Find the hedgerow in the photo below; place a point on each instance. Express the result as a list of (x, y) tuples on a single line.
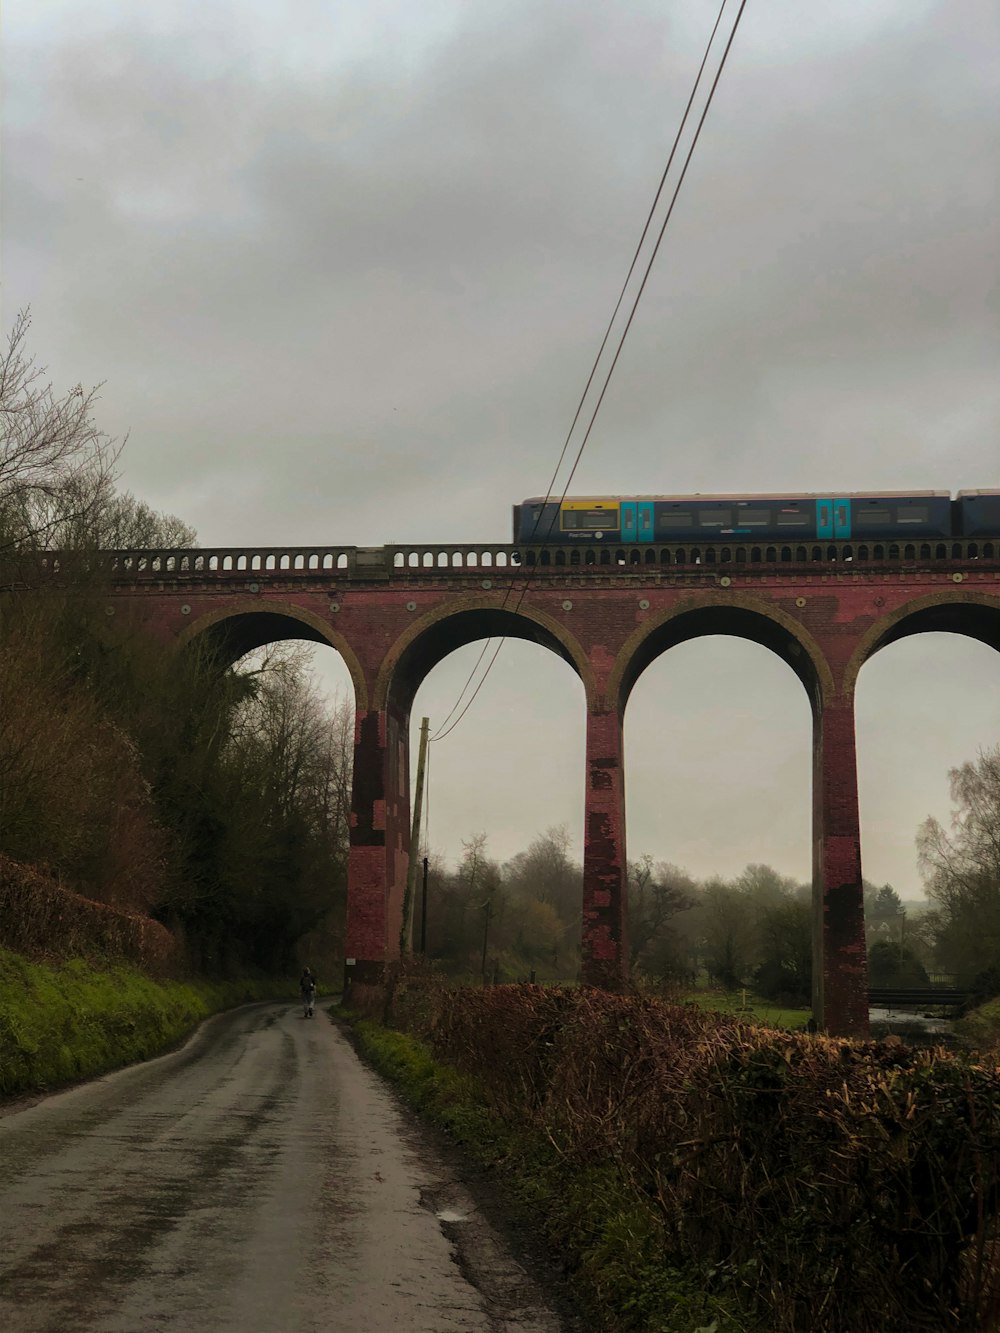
[(827, 1185), (40, 917)]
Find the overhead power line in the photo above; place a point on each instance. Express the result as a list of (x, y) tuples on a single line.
[(635, 259), (445, 730)]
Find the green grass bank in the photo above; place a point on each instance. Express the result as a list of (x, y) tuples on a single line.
[(74, 1019)]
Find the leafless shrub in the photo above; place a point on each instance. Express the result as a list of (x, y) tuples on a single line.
[(39, 918), (838, 1185)]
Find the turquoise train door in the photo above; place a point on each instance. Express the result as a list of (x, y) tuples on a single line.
[(833, 518), (637, 520)]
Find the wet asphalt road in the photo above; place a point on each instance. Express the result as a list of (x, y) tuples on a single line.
[(260, 1180)]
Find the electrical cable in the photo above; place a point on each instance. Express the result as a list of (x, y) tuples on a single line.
[(628, 276), (652, 258), (446, 730), (468, 682), (442, 732)]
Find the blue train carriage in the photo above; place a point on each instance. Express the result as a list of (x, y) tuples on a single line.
[(700, 518), (978, 513)]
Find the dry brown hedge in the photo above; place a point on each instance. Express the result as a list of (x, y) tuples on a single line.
[(41, 919), (840, 1185)]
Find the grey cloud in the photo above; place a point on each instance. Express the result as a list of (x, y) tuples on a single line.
[(346, 285)]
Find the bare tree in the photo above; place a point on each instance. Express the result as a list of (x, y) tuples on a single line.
[(56, 465), (656, 895), (121, 522), (961, 868)]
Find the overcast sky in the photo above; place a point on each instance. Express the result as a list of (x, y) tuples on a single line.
[(344, 267)]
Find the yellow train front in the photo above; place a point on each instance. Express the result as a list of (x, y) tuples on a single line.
[(688, 518)]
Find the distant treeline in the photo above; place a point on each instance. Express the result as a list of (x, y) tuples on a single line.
[(521, 917)]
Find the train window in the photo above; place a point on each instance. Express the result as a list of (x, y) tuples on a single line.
[(592, 520), (913, 514), (792, 518), (870, 518), (753, 518), (714, 518), (646, 518), (677, 518)]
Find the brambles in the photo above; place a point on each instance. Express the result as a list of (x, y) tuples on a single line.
[(828, 1185)]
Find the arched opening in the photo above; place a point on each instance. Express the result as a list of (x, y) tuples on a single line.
[(229, 636), (285, 736), (510, 770), (718, 743), (927, 701)]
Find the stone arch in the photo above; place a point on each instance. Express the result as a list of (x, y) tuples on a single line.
[(427, 642), (247, 623), (953, 610), (735, 614)]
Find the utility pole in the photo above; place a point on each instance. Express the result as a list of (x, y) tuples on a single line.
[(423, 912), (411, 873), (486, 934)]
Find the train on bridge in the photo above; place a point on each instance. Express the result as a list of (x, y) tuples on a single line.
[(685, 518)]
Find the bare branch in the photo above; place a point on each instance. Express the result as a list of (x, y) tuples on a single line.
[(57, 467)]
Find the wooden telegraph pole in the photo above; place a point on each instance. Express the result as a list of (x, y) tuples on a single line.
[(405, 931), (423, 912)]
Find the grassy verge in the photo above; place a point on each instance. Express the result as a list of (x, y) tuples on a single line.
[(65, 1021), (743, 1004), (981, 1027), (609, 1240)]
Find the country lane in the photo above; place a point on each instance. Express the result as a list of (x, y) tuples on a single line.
[(259, 1180)]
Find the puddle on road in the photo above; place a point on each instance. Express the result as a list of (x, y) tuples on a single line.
[(450, 1215)]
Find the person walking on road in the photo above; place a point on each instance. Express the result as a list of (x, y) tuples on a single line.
[(307, 986)]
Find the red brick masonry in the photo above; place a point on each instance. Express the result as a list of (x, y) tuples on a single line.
[(393, 615)]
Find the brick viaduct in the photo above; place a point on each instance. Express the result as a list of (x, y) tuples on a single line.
[(394, 612)]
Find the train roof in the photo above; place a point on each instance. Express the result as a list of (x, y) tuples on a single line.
[(963, 493), (800, 495)]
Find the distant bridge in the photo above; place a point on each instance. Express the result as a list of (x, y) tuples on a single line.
[(394, 612), (918, 997)]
